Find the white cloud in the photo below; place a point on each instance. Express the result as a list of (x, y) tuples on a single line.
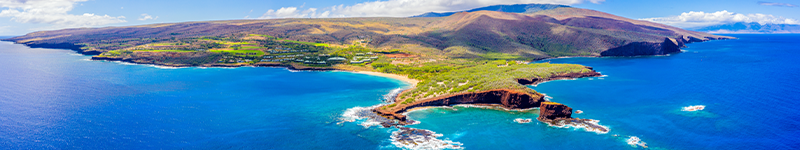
[(147, 17), (401, 8), (53, 12), (4, 29), (776, 4), (698, 19)]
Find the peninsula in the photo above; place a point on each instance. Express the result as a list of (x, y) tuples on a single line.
[(473, 57)]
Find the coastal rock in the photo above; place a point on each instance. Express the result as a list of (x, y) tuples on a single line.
[(535, 81), (550, 111), (70, 46), (505, 98), (668, 46)]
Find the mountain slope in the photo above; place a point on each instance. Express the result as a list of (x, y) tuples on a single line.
[(563, 31), (517, 8)]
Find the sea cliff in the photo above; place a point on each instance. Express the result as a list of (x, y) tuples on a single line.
[(506, 98)]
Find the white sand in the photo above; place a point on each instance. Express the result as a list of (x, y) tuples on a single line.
[(393, 76)]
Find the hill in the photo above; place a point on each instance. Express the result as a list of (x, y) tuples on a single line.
[(517, 8), (752, 27), (563, 31)]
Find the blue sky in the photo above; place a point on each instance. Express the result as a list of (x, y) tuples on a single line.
[(18, 17)]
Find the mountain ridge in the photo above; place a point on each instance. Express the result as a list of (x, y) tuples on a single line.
[(516, 8), (562, 31)]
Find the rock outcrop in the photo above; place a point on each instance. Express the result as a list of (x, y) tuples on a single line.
[(668, 46), (534, 81), (506, 98), (550, 111)]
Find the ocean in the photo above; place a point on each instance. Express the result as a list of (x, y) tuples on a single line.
[(57, 99)]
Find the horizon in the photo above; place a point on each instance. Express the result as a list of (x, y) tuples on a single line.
[(23, 17)]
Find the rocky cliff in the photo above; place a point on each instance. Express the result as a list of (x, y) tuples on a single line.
[(668, 46), (506, 98), (549, 111)]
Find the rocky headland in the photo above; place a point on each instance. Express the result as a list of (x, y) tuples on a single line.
[(505, 98)]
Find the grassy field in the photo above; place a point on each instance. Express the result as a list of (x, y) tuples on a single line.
[(163, 44), (239, 52), (500, 74), (501, 56), (252, 47), (292, 41), (309, 43), (165, 51)]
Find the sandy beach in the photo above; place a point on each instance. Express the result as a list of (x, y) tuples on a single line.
[(393, 76)]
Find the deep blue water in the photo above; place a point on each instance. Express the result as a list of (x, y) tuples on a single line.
[(56, 99)]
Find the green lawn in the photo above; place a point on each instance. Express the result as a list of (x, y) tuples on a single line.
[(163, 44), (492, 75), (308, 43), (239, 52), (251, 47), (500, 56), (293, 41), (165, 50)]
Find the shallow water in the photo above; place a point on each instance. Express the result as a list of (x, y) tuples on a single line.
[(53, 99)]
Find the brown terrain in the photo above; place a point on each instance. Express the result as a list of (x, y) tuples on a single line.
[(558, 32)]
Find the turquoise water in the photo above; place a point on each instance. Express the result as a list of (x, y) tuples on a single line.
[(56, 99)]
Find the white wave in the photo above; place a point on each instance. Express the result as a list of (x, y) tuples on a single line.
[(149, 65), (635, 142), (523, 120), (693, 108), (165, 67), (389, 97), (589, 125), (417, 139), (547, 98), (363, 116)]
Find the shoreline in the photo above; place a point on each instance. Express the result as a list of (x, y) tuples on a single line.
[(412, 82)]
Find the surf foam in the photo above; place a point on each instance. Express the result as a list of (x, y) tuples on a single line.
[(693, 108), (415, 139), (636, 142), (589, 125)]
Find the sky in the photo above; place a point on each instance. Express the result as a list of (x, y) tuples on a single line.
[(19, 17)]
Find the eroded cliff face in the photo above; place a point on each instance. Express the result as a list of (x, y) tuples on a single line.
[(504, 97), (668, 46), (550, 111), (507, 98)]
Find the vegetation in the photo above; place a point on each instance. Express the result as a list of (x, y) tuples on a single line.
[(440, 79)]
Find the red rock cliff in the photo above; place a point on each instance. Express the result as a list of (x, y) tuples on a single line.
[(549, 111), (507, 98)]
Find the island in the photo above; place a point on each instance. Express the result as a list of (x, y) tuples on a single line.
[(478, 57)]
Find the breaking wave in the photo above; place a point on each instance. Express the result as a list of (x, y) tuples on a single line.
[(589, 125), (364, 115), (410, 138), (636, 142)]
